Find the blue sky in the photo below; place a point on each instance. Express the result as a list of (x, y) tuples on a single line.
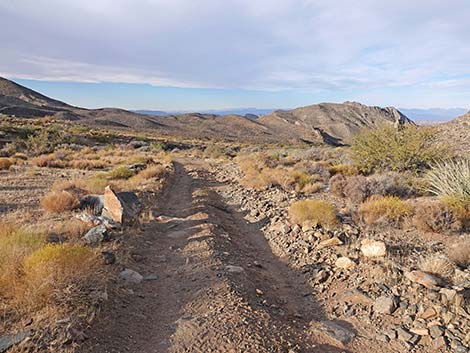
[(212, 54)]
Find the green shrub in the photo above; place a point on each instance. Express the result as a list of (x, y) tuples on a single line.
[(388, 209), (120, 173), (410, 148)]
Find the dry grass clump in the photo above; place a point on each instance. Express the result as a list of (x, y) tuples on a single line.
[(387, 209), (64, 185), (150, 172), (15, 244), (317, 212), (459, 253), (5, 163), (439, 266), (435, 216), (59, 201), (409, 148), (86, 164), (97, 183), (344, 169), (52, 269), (48, 160)]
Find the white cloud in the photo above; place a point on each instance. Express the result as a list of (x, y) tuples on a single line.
[(266, 44)]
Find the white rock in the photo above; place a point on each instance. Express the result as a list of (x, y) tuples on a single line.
[(345, 263), (234, 269), (373, 248)]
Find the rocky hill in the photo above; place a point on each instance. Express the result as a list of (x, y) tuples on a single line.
[(334, 124), (457, 130)]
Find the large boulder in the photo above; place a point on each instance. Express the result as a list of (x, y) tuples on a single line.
[(93, 204), (122, 207)]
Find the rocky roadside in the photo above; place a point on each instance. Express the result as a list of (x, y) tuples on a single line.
[(363, 277)]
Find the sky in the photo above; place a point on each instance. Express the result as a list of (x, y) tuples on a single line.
[(217, 54)]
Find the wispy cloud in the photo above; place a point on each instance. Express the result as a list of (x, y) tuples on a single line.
[(339, 45)]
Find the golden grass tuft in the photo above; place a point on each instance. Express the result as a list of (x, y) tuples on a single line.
[(59, 201), (387, 209), (121, 172), (317, 212), (5, 163), (52, 269), (15, 244)]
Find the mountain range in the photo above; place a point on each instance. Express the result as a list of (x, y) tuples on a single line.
[(326, 122)]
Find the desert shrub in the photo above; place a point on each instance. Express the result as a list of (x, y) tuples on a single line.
[(439, 266), (5, 163), (459, 253), (337, 185), (121, 172), (317, 212), (357, 188), (64, 185), (59, 201), (450, 179), (409, 148), (214, 151), (435, 216), (312, 188), (344, 169), (298, 179), (387, 209), (51, 269), (48, 160), (44, 141)]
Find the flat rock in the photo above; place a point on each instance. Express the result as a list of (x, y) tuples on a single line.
[(234, 269), (337, 332), (9, 341), (355, 296), (131, 276), (425, 279), (385, 305), (373, 248), (335, 241)]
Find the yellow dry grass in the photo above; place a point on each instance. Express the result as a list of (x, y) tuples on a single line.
[(317, 212)]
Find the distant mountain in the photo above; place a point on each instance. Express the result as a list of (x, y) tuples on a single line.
[(333, 123), (235, 111), (433, 115), (320, 123)]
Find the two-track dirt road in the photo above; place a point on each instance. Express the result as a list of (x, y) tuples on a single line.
[(216, 286)]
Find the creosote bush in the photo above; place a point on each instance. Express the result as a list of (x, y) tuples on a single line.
[(385, 210), (409, 148), (59, 201), (317, 212)]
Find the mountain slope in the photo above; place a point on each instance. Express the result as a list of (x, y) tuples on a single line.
[(335, 122), (457, 133)]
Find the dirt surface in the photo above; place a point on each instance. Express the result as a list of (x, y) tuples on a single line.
[(194, 297)]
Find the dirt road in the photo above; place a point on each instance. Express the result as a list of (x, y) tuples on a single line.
[(213, 283)]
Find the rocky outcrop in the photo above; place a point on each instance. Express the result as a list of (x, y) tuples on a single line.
[(123, 207)]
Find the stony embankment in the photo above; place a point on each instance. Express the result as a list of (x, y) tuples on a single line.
[(365, 277)]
